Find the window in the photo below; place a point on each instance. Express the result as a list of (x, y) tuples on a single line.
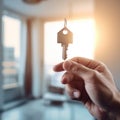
[(11, 51), (83, 43)]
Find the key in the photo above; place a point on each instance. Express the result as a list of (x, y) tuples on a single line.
[(65, 37)]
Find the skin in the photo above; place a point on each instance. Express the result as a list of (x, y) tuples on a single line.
[(91, 82)]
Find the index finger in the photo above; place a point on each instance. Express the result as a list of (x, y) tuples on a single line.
[(58, 67), (92, 64)]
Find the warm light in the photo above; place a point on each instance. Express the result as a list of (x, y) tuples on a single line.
[(12, 33), (83, 40)]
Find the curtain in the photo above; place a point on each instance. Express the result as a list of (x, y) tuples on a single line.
[(28, 65)]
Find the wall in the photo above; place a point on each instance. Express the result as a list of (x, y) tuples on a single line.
[(38, 57), (107, 14)]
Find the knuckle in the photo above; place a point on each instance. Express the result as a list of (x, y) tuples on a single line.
[(75, 69), (68, 75), (101, 67)]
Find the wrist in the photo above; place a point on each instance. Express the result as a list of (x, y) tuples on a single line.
[(113, 112), (108, 116), (115, 107)]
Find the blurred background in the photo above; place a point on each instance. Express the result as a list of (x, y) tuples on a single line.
[(29, 88)]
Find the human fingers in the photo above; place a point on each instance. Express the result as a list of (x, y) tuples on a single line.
[(92, 64), (78, 69), (58, 67), (95, 67), (69, 78), (72, 92), (77, 94), (70, 65)]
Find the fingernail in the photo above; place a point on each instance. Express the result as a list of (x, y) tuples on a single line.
[(67, 64), (76, 94), (64, 80)]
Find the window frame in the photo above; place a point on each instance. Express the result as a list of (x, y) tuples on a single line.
[(20, 86), (11, 86)]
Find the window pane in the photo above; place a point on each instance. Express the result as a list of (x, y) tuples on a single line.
[(11, 55)]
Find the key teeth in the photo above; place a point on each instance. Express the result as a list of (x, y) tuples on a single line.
[(64, 57), (64, 52)]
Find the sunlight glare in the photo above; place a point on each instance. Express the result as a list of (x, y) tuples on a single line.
[(11, 33), (83, 40)]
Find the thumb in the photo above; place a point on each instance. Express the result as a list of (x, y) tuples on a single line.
[(78, 69)]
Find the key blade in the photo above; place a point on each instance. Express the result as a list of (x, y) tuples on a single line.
[(64, 51)]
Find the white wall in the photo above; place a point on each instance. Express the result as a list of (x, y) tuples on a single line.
[(38, 68), (107, 14)]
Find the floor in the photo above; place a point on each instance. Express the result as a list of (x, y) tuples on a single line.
[(37, 110)]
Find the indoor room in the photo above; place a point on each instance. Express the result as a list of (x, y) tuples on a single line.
[(35, 35)]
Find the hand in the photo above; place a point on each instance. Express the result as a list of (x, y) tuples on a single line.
[(91, 83)]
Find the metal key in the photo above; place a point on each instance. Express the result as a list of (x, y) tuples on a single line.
[(65, 37)]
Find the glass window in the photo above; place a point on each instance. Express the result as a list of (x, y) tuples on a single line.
[(83, 43), (11, 55)]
